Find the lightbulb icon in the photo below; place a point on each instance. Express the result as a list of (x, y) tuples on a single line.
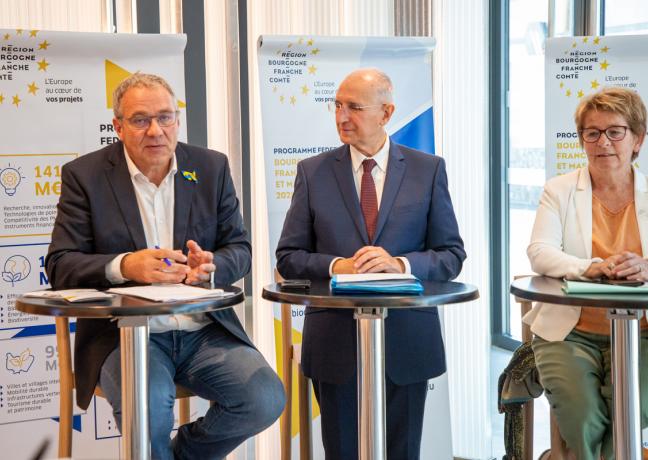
[(10, 179)]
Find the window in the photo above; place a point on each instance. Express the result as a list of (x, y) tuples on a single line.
[(526, 154), (518, 155), (626, 17)]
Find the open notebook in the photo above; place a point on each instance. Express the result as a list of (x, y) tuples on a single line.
[(71, 295)]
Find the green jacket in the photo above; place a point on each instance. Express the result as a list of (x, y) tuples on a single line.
[(518, 384)]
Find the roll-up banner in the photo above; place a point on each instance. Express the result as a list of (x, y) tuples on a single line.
[(298, 78), (55, 105), (576, 67)]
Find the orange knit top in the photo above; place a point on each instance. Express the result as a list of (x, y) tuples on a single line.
[(612, 233)]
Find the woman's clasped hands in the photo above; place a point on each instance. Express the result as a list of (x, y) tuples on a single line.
[(626, 265)]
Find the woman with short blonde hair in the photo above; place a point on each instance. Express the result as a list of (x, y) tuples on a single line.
[(591, 223)]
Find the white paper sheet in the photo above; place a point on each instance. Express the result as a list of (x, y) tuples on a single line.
[(170, 292), (361, 277)]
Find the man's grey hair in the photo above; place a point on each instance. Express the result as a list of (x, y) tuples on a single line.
[(138, 80), (381, 81), (385, 86)]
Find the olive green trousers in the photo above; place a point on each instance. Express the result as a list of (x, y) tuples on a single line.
[(575, 374)]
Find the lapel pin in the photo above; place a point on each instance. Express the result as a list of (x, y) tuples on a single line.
[(190, 176)]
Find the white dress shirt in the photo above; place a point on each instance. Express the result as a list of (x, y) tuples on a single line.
[(156, 205), (378, 173)]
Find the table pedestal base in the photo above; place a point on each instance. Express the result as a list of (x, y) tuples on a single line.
[(372, 440), (625, 383), (136, 443)]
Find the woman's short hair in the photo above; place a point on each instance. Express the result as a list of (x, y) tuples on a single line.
[(620, 101)]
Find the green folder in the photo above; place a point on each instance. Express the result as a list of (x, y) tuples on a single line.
[(581, 287)]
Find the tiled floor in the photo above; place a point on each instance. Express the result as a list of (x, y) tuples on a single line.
[(499, 360)]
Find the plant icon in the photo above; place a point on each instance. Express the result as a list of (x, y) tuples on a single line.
[(16, 268)]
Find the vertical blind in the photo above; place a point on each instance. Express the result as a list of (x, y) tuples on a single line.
[(461, 104)]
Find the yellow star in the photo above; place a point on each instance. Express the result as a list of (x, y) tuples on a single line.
[(289, 45), (585, 39), (274, 89), (19, 31), (312, 69), (597, 40), (574, 45), (580, 93), (281, 99), (310, 42), (562, 84), (33, 33), (43, 45), (604, 65), (568, 93), (42, 65), (1, 98), (605, 49), (305, 89), (315, 51), (293, 99), (595, 84), (7, 36), (16, 100), (300, 41), (32, 88)]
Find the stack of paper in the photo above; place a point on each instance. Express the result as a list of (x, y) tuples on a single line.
[(71, 295), (376, 283), (581, 287), (170, 292)]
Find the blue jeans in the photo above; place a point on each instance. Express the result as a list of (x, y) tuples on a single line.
[(246, 394)]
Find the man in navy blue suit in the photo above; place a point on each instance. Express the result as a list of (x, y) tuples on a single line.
[(371, 206)]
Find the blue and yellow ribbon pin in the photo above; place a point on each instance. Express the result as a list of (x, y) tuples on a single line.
[(190, 176)]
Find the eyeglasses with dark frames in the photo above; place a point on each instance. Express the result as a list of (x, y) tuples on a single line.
[(613, 133), (164, 120)]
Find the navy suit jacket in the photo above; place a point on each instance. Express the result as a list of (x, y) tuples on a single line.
[(98, 219), (415, 220)]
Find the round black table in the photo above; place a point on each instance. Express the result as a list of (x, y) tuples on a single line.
[(132, 315), (624, 313), (370, 313)]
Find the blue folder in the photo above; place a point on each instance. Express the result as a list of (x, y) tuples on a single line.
[(403, 286)]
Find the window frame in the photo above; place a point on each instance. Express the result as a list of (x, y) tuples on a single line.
[(499, 189)]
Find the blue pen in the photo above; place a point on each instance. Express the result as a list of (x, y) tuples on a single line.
[(165, 260)]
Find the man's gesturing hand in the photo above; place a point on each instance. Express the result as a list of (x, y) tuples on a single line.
[(148, 266), (201, 264)]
